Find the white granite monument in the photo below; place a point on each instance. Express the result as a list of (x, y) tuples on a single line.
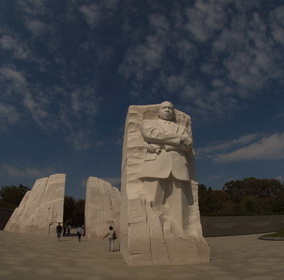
[(160, 220), (101, 207), (41, 208)]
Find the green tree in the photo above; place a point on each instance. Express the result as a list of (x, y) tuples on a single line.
[(256, 196), (278, 205), (234, 189), (214, 202), (11, 196), (79, 213), (249, 205), (251, 186), (269, 188), (69, 208), (74, 211), (202, 198)]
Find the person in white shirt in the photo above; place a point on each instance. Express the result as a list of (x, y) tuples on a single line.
[(111, 237), (79, 232)]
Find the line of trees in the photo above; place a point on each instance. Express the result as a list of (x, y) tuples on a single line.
[(74, 211), (11, 196), (249, 196)]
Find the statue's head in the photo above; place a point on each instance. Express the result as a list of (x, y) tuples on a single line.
[(166, 111)]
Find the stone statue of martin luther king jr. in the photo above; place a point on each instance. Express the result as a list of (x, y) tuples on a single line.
[(165, 172)]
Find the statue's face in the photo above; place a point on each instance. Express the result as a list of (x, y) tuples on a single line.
[(166, 111)]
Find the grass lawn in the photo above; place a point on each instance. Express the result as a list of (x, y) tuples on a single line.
[(279, 233)]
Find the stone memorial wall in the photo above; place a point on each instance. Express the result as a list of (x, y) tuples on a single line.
[(101, 207), (41, 208)]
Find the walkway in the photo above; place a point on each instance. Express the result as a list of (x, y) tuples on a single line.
[(24, 257)]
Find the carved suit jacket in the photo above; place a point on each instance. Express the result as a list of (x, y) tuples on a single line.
[(165, 153)]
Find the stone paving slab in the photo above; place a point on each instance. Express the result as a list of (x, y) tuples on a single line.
[(26, 257)]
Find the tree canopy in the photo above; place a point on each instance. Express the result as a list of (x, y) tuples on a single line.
[(11, 196), (74, 211), (250, 196)]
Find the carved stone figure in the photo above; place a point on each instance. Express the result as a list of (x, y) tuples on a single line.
[(101, 207), (41, 208), (160, 221)]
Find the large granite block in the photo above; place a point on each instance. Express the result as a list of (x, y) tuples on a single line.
[(101, 207), (41, 208), (159, 216)]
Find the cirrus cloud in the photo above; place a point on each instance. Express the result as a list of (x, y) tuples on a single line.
[(25, 172), (267, 148)]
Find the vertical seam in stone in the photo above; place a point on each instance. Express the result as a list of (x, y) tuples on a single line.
[(150, 238), (166, 245), (100, 189)]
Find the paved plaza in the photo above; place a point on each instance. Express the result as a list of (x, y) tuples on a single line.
[(26, 257)]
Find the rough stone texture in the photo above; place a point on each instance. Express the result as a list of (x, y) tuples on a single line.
[(101, 207), (41, 208), (145, 239)]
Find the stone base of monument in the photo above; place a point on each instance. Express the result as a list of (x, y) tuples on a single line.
[(147, 241), (173, 251)]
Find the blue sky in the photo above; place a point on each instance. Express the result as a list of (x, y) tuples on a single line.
[(69, 69)]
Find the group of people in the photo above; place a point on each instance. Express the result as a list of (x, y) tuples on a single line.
[(111, 235), (59, 230)]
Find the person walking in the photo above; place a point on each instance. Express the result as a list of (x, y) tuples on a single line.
[(79, 232), (111, 237), (59, 231), (68, 229)]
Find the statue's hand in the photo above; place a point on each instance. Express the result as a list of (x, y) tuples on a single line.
[(153, 148)]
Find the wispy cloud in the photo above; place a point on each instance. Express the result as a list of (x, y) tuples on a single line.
[(242, 57), (212, 149), (13, 75), (10, 43), (205, 18), (34, 13), (33, 6), (17, 88), (36, 26), (8, 115), (267, 148), (81, 139), (75, 117), (277, 19), (93, 13), (143, 58), (209, 55), (25, 172)]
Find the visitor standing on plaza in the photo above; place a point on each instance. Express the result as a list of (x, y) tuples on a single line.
[(79, 232), (111, 237), (58, 231)]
